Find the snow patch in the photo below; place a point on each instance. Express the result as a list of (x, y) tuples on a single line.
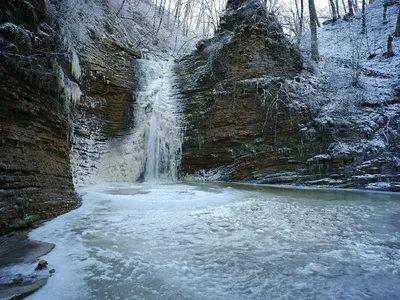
[(378, 185)]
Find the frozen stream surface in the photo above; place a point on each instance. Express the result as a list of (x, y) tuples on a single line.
[(220, 241)]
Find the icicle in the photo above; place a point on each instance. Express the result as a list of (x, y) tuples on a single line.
[(76, 67), (71, 90)]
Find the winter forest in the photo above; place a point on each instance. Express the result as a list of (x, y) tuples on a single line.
[(199, 149)]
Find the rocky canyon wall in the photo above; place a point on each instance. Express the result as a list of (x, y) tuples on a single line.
[(105, 113), (251, 110), (35, 176), (65, 97)]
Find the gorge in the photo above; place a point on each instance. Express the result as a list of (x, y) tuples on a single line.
[(253, 109), (169, 152)]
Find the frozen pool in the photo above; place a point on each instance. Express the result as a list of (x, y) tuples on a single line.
[(220, 241)]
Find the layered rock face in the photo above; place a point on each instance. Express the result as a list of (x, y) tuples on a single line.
[(233, 88), (106, 110), (253, 114), (35, 176), (246, 107)]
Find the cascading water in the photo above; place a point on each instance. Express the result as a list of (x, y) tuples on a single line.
[(153, 149), (158, 103)]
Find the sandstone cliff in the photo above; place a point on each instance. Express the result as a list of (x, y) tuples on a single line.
[(35, 176), (253, 113), (106, 110)]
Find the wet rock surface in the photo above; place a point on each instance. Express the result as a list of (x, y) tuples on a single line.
[(106, 111), (41, 265), (20, 290), (17, 249), (237, 112)]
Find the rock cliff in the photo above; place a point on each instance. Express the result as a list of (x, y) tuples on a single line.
[(35, 175), (106, 111), (252, 111)]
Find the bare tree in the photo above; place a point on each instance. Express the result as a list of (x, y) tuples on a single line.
[(351, 10), (299, 20), (313, 27), (385, 6), (389, 52), (333, 10), (397, 31), (344, 7), (363, 25), (337, 9)]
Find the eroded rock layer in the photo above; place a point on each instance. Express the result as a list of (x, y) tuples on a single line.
[(105, 113), (237, 113), (35, 176), (253, 114)]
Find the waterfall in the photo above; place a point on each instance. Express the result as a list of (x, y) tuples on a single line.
[(152, 150), (157, 105)]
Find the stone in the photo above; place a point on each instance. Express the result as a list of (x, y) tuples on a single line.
[(18, 280), (106, 111), (17, 35), (19, 249), (52, 271), (41, 265), (22, 290), (249, 120), (229, 87), (28, 13)]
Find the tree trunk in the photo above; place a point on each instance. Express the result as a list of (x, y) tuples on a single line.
[(397, 31), (313, 26), (363, 25), (389, 52), (344, 7), (384, 13), (333, 8), (337, 9), (317, 20), (351, 11), (300, 17)]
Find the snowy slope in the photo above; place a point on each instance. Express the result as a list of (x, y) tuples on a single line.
[(362, 108), (342, 44), (135, 24)]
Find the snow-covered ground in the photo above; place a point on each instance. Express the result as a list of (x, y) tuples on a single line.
[(133, 24), (347, 53), (361, 88)]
